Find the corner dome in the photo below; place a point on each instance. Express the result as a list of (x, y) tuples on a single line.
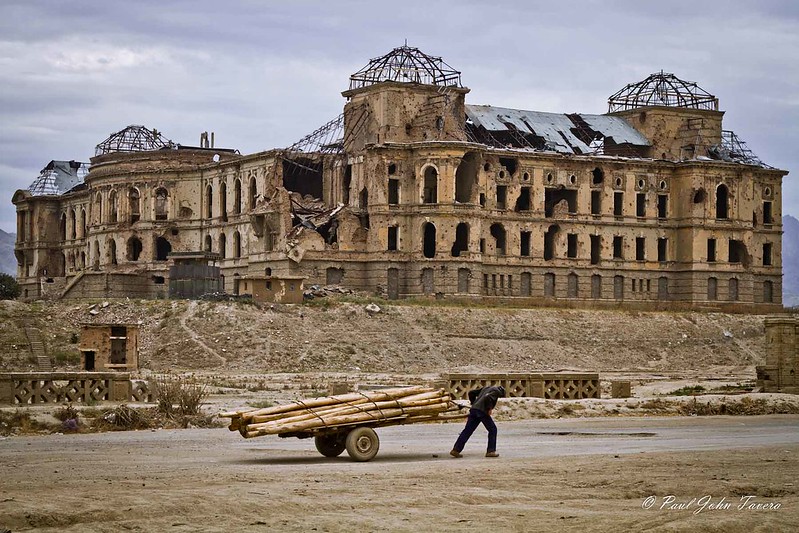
[(662, 89), (409, 65)]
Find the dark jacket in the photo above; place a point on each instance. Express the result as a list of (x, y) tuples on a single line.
[(487, 399)]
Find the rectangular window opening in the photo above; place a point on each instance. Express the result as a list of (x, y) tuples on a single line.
[(571, 249), (663, 246), (767, 247), (640, 204), (502, 196), (640, 249), (596, 202), (524, 239), (711, 250), (618, 247), (618, 203), (596, 249), (393, 191), (663, 205), (393, 238)]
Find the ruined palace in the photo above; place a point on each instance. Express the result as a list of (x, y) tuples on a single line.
[(411, 191)]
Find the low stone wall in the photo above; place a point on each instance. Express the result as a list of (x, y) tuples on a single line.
[(79, 387), (552, 386)]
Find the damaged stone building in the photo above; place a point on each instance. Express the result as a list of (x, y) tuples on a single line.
[(411, 191)]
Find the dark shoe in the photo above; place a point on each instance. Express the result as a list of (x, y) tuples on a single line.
[(492, 454), (456, 454)]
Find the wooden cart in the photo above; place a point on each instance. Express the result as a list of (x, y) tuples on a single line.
[(348, 422)]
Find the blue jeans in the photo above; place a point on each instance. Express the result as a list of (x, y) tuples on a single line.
[(476, 417)]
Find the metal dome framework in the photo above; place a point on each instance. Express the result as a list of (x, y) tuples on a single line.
[(662, 89), (406, 64), (133, 139)]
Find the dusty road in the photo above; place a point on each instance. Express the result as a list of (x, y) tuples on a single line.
[(578, 474)]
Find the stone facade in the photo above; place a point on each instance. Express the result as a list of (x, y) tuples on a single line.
[(105, 347), (779, 374), (410, 199)]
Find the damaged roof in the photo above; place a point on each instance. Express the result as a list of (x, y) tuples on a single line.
[(59, 177), (555, 131)]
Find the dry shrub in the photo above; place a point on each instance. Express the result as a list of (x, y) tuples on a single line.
[(178, 396), (744, 406), (68, 412), (20, 422), (125, 418)]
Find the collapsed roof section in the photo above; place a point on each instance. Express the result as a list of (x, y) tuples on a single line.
[(59, 177), (406, 64), (662, 89), (569, 134), (735, 150), (133, 139)]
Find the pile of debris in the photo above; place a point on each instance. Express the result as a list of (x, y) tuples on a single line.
[(317, 291)]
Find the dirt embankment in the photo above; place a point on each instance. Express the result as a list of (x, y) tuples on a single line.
[(344, 337)]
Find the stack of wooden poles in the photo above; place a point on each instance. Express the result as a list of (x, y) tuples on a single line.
[(382, 407)]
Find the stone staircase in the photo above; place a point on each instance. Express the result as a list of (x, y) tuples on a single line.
[(37, 347)]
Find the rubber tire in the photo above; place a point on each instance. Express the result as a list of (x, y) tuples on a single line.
[(362, 444), (330, 445)]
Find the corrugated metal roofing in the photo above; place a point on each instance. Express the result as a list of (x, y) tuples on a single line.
[(59, 177), (554, 128)]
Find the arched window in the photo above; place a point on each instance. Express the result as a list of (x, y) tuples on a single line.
[(208, 244), (222, 245), (430, 192), (113, 210), (223, 201), (161, 206), (209, 202), (62, 227), (98, 217), (82, 260), (429, 245), (73, 232), (712, 289), (134, 249), (112, 251), (461, 243), (237, 197), (253, 192), (83, 223), (162, 249), (134, 205), (236, 244), (466, 178), (498, 232), (722, 202), (96, 255)]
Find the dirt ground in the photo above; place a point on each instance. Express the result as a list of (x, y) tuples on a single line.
[(607, 475)]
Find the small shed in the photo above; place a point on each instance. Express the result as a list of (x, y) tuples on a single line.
[(106, 347), (277, 289)]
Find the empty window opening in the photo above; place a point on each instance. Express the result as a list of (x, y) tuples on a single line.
[(510, 164), (640, 249), (663, 205), (618, 287), (461, 243), (223, 201), (253, 193), (482, 199), (393, 191), (392, 169), (767, 247), (134, 249), (711, 250), (430, 192), (618, 247), (663, 249), (346, 185), (158, 280), (524, 240), (88, 361), (571, 245), (596, 249), (334, 276), (393, 238), (134, 205), (96, 255), (549, 242), (363, 202), (597, 176), (62, 227), (222, 246), (112, 251), (596, 202), (699, 196), (549, 284), (712, 289), (768, 292), (208, 244), (161, 197), (236, 244), (733, 290), (596, 286), (618, 203), (162, 249), (237, 197), (523, 201), (303, 175), (558, 202), (498, 232), (113, 208), (209, 202), (663, 288), (466, 178), (722, 202), (640, 204), (768, 216), (737, 251), (73, 224), (502, 196), (572, 287), (482, 246), (429, 245)]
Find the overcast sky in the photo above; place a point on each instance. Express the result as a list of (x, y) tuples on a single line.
[(263, 74)]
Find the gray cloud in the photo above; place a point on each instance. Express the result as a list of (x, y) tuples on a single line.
[(263, 74)]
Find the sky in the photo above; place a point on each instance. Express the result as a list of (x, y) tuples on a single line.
[(262, 74)]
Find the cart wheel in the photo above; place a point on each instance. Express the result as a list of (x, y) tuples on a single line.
[(331, 445), (362, 444)]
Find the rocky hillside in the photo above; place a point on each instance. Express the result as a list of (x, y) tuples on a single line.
[(8, 262), (344, 337), (790, 261)]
